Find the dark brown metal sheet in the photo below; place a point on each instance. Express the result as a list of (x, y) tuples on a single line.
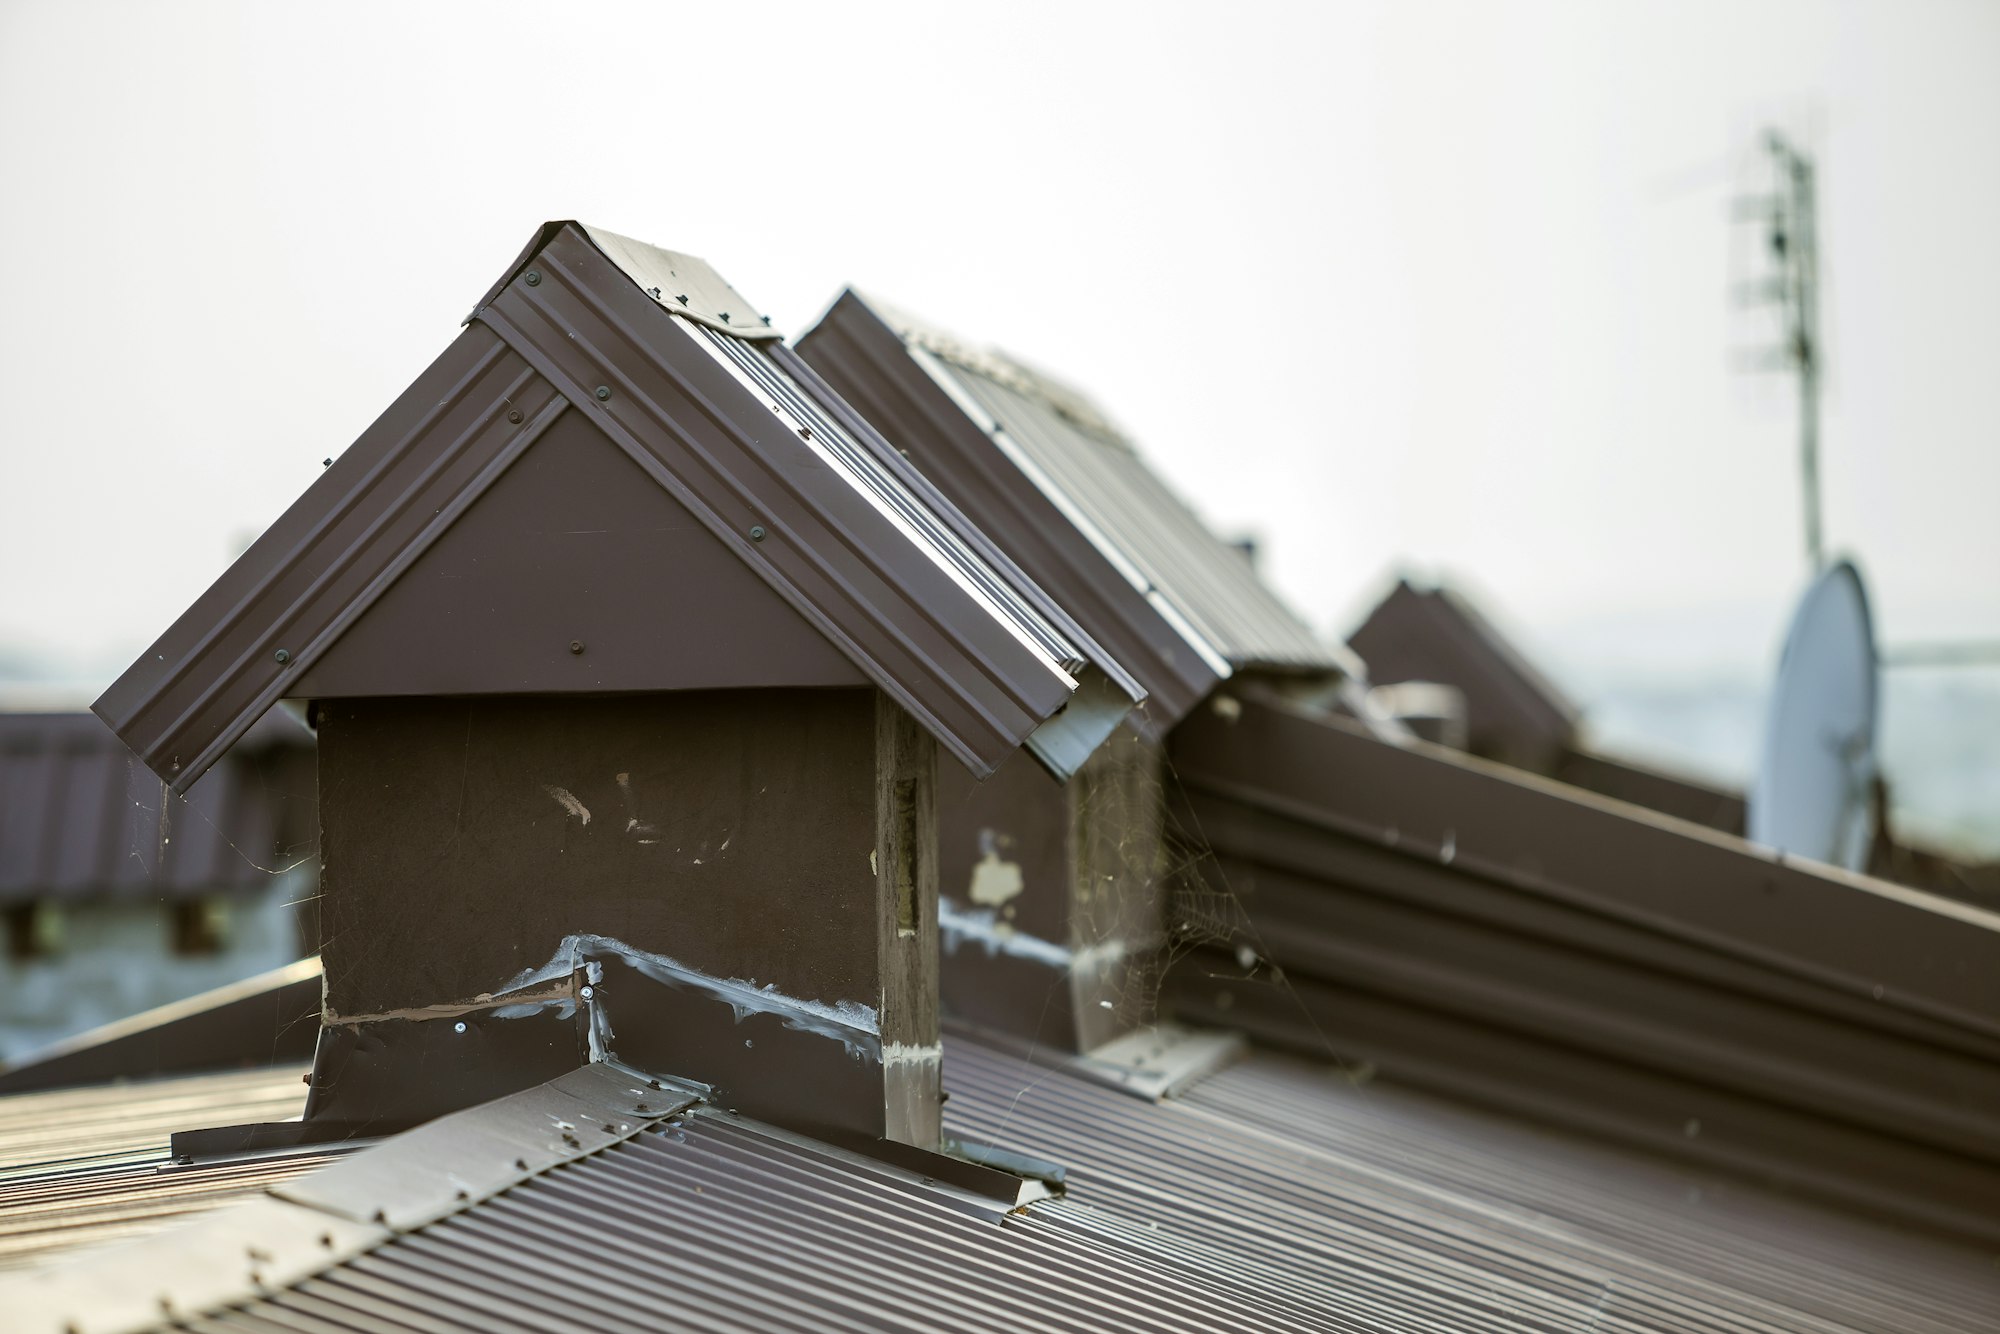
[(867, 363), (1522, 943), (1208, 584), (573, 572), (326, 559)]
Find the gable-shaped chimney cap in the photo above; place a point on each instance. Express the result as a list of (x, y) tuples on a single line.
[(866, 558), (683, 285)]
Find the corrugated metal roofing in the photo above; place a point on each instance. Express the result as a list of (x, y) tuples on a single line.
[(82, 1167), (1278, 1195), (80, 817), (1067, 444), (109, 1125), (571, 335)]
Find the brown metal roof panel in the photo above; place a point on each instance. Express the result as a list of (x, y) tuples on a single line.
[(217, 669), (1069, 445), (866, 361)]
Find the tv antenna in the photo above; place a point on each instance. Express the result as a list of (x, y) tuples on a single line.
[(1791, 283)]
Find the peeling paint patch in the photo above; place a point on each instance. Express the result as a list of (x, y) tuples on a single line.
[(564, 798)]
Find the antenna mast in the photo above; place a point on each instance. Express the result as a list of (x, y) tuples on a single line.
[(1792, 248)]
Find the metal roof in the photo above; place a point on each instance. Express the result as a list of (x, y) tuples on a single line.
[(1089, 473), (779, 477), (1503, 938), (82, 1167), (1278, 1194), (81, 819)]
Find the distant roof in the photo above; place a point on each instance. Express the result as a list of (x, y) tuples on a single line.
[(495, 532), (1513, 711), (81, 818), (1090, 474), (1277, 1195)]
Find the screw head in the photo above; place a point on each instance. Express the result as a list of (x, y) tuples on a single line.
[(326, 463), (757, 532), (587, 993), (576, 646), (514, 415), (534, 278), (458, 1027), (283, 656), (603, 393)]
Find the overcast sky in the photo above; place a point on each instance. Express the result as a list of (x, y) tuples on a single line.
[(1435, 286)]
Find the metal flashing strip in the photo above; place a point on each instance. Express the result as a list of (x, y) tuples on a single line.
[(308, 1225)]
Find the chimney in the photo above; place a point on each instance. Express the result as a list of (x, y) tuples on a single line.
[(631, 650)]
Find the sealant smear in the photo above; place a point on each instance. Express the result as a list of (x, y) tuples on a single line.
[(983, 927), (852, 1024)]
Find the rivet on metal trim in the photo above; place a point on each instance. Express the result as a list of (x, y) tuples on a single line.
[(283, 656), (514, 415), (756, 532), (576, 646), (603, 392), (534, 279)]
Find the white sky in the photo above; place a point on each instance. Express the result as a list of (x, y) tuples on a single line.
[(1438, 286)]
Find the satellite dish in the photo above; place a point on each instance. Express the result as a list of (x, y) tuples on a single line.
[(1812, 797)]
